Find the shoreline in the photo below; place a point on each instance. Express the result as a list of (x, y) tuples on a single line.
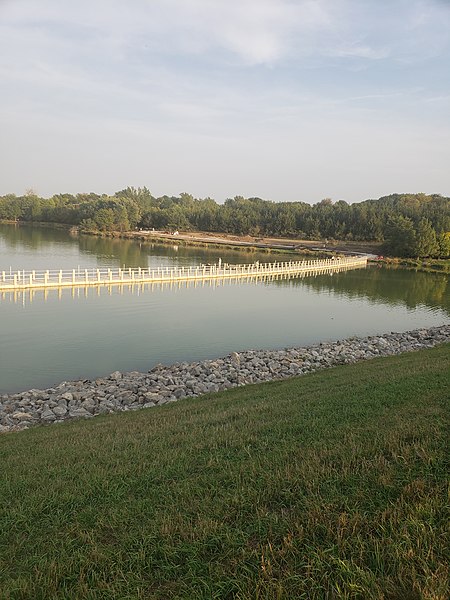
[(245, 242), (161, 385), (220, 239), (267, 245)]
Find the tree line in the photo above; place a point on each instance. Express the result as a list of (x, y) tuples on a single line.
[(409, 225)]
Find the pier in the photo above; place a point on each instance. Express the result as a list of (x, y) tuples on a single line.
[(93, 277)]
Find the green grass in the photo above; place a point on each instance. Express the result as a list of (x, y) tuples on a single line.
[(332, 485), (427, 265)]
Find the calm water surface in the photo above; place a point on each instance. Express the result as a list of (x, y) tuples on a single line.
[(49, 337)]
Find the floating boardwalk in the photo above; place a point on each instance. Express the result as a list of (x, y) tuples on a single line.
[(32, 280)]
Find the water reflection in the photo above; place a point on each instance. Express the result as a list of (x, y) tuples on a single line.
[(15, 236), (113, 251), (33, 247), (387, 286), (48, 336), (89, 291), (378, 285), (61, 245), (130, 253)]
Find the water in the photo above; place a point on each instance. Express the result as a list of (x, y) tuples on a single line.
[(49, 337)]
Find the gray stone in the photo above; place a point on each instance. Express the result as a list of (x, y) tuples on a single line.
[(22, 416), (48, 415), (79, 412), (235, 358), (131, 391), (89, 404)]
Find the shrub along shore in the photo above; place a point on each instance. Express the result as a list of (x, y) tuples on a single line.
[(164, 384), (327, 486)]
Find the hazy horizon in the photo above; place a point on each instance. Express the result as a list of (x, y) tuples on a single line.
[(218, 201)]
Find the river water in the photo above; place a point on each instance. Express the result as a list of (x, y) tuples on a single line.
[(46, 338)]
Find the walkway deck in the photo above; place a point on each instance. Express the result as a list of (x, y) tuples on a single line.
[(30, 280)]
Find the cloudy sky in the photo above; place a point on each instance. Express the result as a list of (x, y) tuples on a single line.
[(282, 99)]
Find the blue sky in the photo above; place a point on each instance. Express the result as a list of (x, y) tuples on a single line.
[(281, 99)]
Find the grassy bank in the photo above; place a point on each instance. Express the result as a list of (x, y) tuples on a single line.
[(427, 265), (331, 485)]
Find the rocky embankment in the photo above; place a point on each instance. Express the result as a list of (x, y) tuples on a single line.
[(163, 384)]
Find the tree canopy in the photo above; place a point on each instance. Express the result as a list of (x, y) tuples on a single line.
[(416, 225)]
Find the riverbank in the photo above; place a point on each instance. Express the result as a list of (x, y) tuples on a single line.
[(164, 384), (426, 265), (221, 240), (254, 243), (283, 246), (332, 485), (288, 246)]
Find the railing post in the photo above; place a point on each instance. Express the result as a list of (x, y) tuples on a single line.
[(30, 279)]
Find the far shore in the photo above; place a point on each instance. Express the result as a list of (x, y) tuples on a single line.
[(204, 237), (253, 242), (270, 245)]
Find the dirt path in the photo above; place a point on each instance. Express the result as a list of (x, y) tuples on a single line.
[(263, 242)]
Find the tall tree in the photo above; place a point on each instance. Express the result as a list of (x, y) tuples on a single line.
[(401, 237), (444, 244), (426, 241)]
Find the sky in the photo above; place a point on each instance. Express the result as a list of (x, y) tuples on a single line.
[(287, 100)]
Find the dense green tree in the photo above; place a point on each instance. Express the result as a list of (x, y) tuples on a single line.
[(153, 218), (142, 197), (104, 219), (426, 241), (10, 207), (410, 224), (401, 237), (444, 244)]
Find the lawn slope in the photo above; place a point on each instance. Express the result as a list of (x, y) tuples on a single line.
[(332, 485)]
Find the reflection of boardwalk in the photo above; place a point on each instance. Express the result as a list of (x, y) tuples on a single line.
[(33, 280)]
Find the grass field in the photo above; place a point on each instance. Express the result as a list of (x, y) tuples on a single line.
[(332, 485)]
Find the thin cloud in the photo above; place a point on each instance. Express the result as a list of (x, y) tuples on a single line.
[(246, 76)]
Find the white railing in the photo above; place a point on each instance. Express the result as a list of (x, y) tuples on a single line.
[(22, 279)]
